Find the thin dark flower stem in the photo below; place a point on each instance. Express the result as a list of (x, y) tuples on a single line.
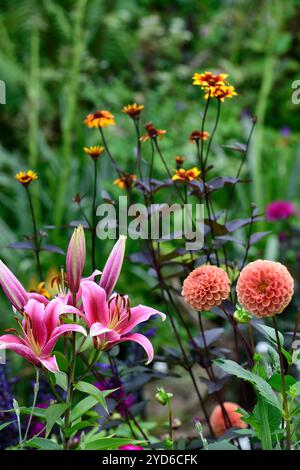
[(170, 417), (284, 394), (84, 215), (296, 326), (94, 215), (138, 162), (53, 389), (240, 336), (116, 166), (35, 235), (231, 194), (210, 140), (248, 242), (200, 155), (251, 338)]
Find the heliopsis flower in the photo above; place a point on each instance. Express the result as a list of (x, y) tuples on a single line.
[(220, 424), (100, 118), (186, 175), (265, 288), (221, 92), (195, 136), (278, 210), (26, 177), (133, 110), (94, 151), (206, 287), (125, 181), (40, 289), (209, 80), (152, 133)]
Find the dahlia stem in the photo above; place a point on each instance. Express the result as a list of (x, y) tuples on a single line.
[(170, 417), (284, 395), (35, 393)]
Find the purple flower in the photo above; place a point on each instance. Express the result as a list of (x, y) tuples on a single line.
[(285, 131), (278, 210)]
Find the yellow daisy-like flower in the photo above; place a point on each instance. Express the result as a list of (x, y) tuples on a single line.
[(94, 151), (208, 79), (125, 181), (186, 175), (221, 92), (100, 118), (152, 133), (195, 136), (41, 290), (133, 110), (26, 177)]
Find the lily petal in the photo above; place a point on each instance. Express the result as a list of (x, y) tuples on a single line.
[(94, 303), (98, 329), (113, 266), (76, 259), (57, 332), (138, 314), (36, 311), (17, 345), (49, 363), (142, 341)]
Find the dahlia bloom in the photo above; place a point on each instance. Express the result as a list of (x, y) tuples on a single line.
[(279, 210), (206, 287), (41, 330), (265, 288), (219, 425), (111, 319)]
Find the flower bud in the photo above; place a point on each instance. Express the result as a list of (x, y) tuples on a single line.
[(241, 315), (12, 288), (112, 268), (162, 396), (75, 259)]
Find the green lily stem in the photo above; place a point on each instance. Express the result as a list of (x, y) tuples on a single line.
[(284, 395), (94, 215), (35, 235), (35, 394)]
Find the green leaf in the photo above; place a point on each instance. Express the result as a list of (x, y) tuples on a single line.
[(82, 407), (52, 414), (93, 391), (61, 380), (4, 425), (108, 443), (262, 387), (61, 361), (276, 382), (221, 445), (268, 332), (43, 444), (80, 425)]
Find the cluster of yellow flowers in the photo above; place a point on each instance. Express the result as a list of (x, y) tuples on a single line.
[(214, 86)]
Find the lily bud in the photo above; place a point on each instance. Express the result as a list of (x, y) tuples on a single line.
[(75, 259), (113, 266), (12, 288)]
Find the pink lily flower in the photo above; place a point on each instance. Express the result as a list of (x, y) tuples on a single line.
[(76, 259), (41, 330), (112, 320), (112, 268)]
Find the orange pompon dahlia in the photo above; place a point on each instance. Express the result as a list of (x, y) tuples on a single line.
[(206, 287), (100, 118), (195, 136), (152, 133), (220, 425), (125, 181), (133, 110), (94, 151), (26, 177), (208, 79), (186, 175), (265, 288)]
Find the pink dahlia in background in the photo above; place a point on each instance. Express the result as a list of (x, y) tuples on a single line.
[(278, 210), (265, 288), (130, 447), (218, 424), (206, 287)]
